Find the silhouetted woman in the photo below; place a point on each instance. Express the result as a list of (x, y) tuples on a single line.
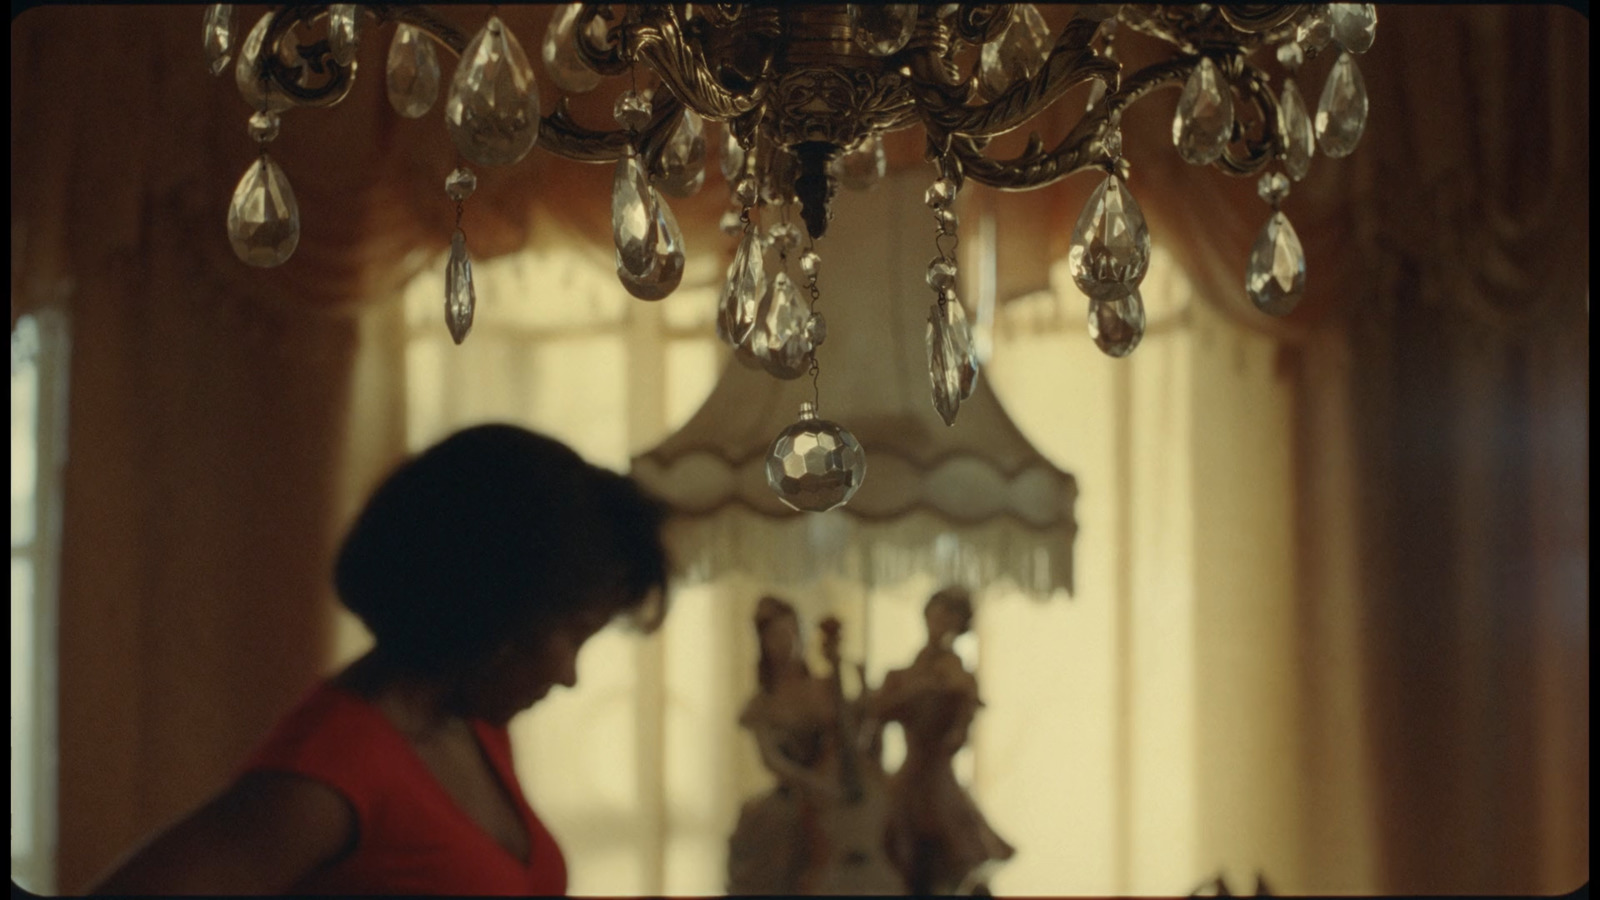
[(481, 567)]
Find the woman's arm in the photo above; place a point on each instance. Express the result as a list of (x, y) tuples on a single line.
[(260, 836)]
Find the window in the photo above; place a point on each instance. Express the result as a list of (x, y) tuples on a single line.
[(38, 351)]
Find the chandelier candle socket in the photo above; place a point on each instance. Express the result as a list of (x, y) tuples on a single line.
[(803, 95)]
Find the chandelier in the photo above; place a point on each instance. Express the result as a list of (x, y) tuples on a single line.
[(805, 94)]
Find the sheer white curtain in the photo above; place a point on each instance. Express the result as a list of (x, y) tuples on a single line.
[(1089, 757)]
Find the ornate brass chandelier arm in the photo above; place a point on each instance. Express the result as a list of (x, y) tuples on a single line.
[(425, 20), (1072, 60), (1084, 146), (609, 58), (980, 23), (560, 135), (565, 138), (658, 39), (1248, 156), (1241, 28), (318, 57)]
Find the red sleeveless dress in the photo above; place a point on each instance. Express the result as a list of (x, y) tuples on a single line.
[(412, 838)]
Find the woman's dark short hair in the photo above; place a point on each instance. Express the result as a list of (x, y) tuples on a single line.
[(493, 532)]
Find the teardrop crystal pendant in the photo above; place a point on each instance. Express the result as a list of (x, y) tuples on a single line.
[(1110, 247), (1342, 112), (882, 29), (1116, 325), (732, 158), (218, 37), (784, 347), (1204, 120), (815, 465), (413, 72), (344, 21), (263, 219), (741, 294), (865, 164), (247, 73), (1299, 139), (666, 259), (1276, 276), (1355, 25), (562, 61), (952, 362), (633, 222), (493, 106), (1016, 55), (460, 298), (683, 160)]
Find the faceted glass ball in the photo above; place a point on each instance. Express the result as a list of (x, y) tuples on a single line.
[(815, 465)]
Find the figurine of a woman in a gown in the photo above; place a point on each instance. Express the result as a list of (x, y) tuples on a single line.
[(937, 837), (821, 829), (778, 838)]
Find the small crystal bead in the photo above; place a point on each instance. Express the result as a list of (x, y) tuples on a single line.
[(1290, 56), (784, 236), (941, 274), (460, 184), (632, 110), (264, 127), (940, 193), (744, 191), (1273, 188), (1315, 31), (947, 219), (816, 329), (1113, 142), (810, 264), (731, 224)]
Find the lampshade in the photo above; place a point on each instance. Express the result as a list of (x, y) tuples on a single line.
[(973, 502)]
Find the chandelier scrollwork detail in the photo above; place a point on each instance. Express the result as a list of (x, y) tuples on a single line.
[(805, 94)]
